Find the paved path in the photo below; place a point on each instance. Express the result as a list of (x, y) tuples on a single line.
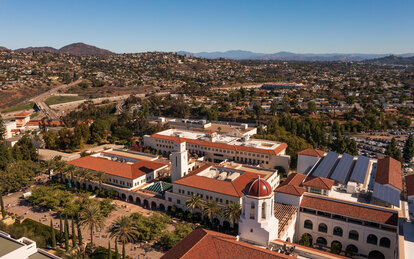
[(15, 204)]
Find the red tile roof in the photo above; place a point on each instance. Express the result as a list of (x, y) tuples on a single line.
[(129, 171), (409, 184), (33, 123), (294, 179), (275, 151), (319, 182), (290, 189), (351, 209), (312, 152), (292, 185), (206, 244), (22, 114), (231, 188), (389, 172)]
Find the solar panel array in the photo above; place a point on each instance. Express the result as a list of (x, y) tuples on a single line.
[(326, 165), (360, 169), (386, 194), (343, 168)]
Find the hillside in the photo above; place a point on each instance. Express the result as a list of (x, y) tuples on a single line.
[(286, 56), (74, 49), (38, 49), (83, 49), (393, 60)]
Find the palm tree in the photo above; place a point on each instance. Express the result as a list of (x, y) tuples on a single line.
[(100, 177), (124, 230), (211, 209), (232, 212), (91, 216), (83, 174), (69, 172), (195, 202), (56, 165)]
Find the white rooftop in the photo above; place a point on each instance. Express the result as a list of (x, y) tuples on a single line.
[(222, 139)]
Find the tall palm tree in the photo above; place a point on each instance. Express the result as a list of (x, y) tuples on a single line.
[(100, 177), (91, 216), (69, 172), (232, 212), (124, 230), (195, 202), (212, 209)]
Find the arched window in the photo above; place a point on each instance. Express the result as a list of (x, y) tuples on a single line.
[(376, 254), (321, 241), (353, 235), (385, 242), (337, 231), (372, 239), (323, 228), (308, 224), (264, 210), (252, 210)]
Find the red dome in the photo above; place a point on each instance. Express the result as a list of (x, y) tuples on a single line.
[(258, 188)]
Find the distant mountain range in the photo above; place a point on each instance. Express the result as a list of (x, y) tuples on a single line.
[(393, 60), (288, 56), (74, 49)]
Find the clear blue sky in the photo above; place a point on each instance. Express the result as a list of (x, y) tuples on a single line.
[(308, 26)]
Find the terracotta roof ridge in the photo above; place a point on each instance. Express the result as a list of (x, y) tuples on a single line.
[(205, 234)]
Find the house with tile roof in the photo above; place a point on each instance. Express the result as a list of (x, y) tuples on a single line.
[(122, 170), (221, 147)]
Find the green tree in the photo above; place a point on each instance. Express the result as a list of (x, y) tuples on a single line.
[(66, 234), (109, 250), (73, 233), (80, 239), (195, 202), (305, 240), (393, 150), (5, 156), (3, 211), (311, 107), (211, 209), (2, 128), (116, 249), (53, 235), (92, 217), (408, 152), (60, 227), (232, 212), (124, 230)]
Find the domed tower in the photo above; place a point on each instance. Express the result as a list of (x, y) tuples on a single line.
[(258, 223)]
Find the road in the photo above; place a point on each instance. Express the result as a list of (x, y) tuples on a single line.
[(40, 99)]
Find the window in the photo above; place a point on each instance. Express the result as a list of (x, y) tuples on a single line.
[(252, 210), (308, 224), (315, 190), (321, 241), (178, 201), (372, 239), (337, 231), (169, 199), (323, 228), (353, 235), (385, 242), (264, 210)]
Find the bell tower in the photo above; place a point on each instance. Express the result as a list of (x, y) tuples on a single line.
[(258, 223), (179, 160)]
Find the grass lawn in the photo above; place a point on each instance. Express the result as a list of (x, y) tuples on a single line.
[(62, 99), (18, 108)]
